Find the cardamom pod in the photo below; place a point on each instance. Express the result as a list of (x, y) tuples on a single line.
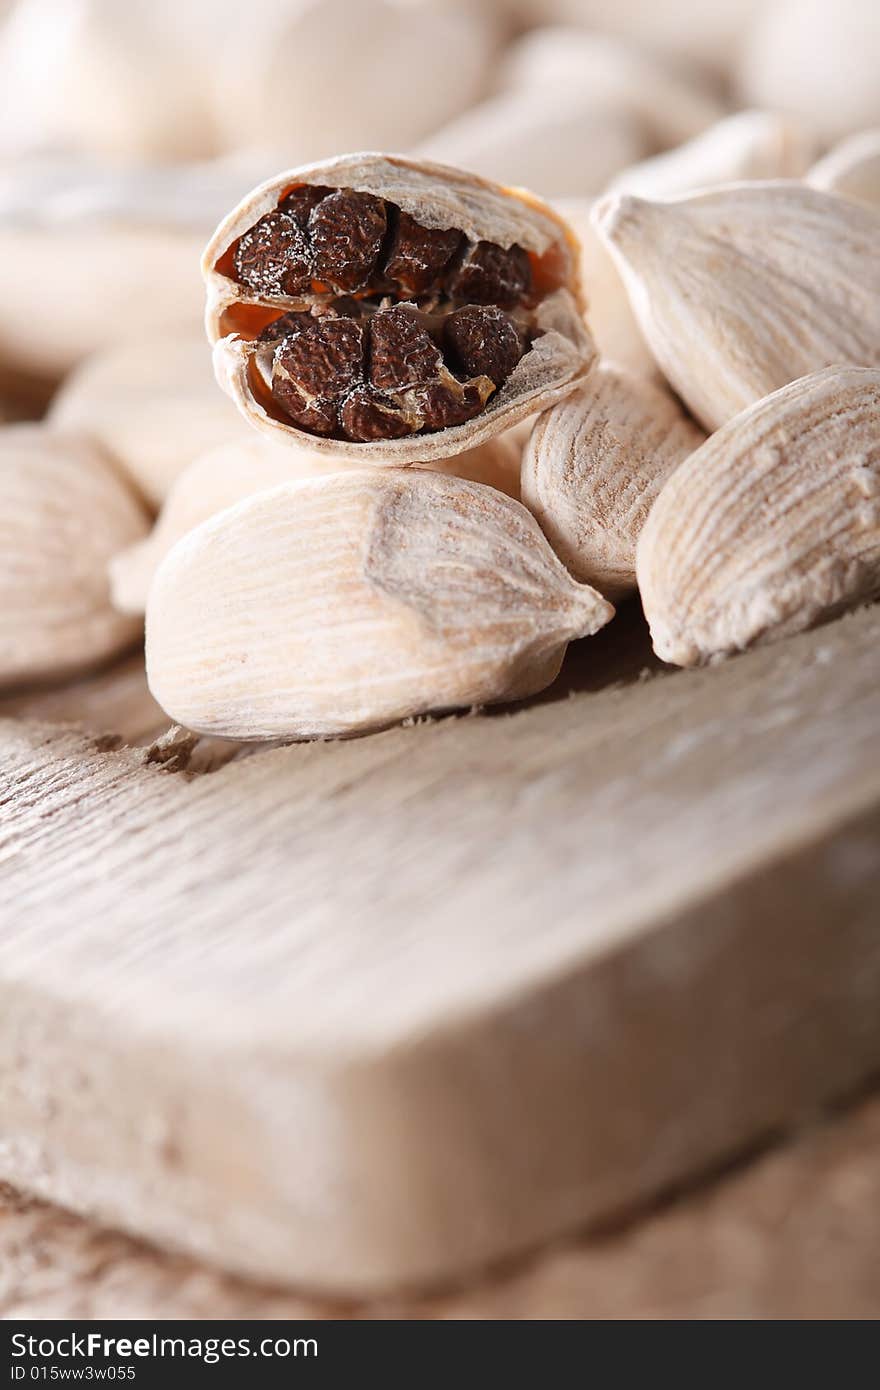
[(340, 604), (393, 311), (742, 290), (770, 526), (593, 466)]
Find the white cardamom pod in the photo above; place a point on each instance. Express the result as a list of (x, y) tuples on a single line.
[(851, 169), (743, 290), (223, 476), (335, 605), (747, 145), (127, 237), (772, 525), (611, 320), (105, 79), (216, 480), (315, 282), (692, 34), (64, 510), (153, 404), (669, 103), (408, 68), (593, 466), (819, 59), (561, 141)]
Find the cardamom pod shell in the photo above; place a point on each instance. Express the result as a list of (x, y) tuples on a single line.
[(335, 605), (558, 350), (742, 290), (225, 475), (593, 466), (770, 526), (851, 169), (747, 145), (64, 511)]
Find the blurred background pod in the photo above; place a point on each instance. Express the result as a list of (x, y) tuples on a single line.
[(816, 60), (320, 76), (104, 252), (689, 32), (100, 78)]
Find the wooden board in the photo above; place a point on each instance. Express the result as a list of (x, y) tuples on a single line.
[(794, 1233), (114, 702), (372, 1014)]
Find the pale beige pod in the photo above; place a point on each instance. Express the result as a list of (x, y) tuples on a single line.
[(609, 312), (593, 466), (314, 78), (105, 78), (496, 462), (64, 510), (148, 270), (851, 169), (547, 313), (153, 404), (747, 145), (224, 475), (669, 104), (697, 33), (819, 59), (214, 481), (742, 290), (561, 142), (336, 605), (103, 253), (772, 525)]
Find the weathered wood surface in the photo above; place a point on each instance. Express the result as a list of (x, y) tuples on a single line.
[(115, 706), (795, 1233), (114, 701), (371, 1014)]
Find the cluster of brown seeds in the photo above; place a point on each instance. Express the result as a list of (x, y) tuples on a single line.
[(399, 327)]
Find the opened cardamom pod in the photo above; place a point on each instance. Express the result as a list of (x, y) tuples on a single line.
[(393, 311), (223, 476)]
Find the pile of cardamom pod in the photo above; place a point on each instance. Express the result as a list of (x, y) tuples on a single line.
[(442, 425)]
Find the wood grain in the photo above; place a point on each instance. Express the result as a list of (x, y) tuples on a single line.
[(371, 1014), (792, 1234), (113, 701)]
